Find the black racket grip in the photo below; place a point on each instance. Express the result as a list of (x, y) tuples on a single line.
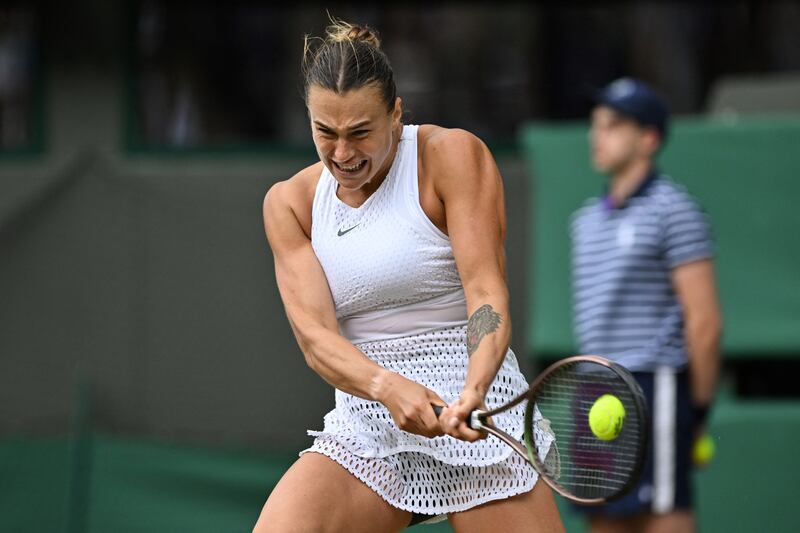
[(437, 409)]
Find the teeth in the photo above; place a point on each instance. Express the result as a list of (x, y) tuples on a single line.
[(353, 168)]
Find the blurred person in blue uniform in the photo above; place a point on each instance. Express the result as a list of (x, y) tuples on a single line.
[(644, 295)]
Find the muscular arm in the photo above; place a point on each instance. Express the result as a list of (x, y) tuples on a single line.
[(696, 289), (310, 310), (469, 184), (308, 303)]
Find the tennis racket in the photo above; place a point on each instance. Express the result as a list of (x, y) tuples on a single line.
[(559, 442)]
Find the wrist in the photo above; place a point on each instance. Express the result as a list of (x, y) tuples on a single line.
[(381, 384), (474, 391)]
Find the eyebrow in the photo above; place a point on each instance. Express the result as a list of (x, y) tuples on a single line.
[(355, 126)]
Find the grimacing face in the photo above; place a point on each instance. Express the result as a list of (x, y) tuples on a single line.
[(616, 140), (353, 134)]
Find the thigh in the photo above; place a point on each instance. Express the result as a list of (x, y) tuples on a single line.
[(532, 512), (318, 495), (602, 524)]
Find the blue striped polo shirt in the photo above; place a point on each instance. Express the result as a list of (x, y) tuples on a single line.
[(625, 307)]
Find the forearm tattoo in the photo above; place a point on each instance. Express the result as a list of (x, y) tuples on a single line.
[(482, 322)]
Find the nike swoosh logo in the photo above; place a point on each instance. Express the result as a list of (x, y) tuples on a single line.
[(340, 232)]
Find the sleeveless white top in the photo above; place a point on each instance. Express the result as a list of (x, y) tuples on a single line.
[(391, 271)]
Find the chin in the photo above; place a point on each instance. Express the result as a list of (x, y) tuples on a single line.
[(352, 183)]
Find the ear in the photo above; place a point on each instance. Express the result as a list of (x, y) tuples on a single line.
[(652, 140), (397, 112)]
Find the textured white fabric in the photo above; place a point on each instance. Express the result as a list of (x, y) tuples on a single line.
[(399, 299), (385, 253), (417, 483), (363, 430)]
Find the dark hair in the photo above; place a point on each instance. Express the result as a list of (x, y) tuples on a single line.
[(348, 58)]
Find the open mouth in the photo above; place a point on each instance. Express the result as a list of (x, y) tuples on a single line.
[(352, 168)]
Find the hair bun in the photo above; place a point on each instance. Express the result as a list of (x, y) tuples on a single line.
[(341, 31)]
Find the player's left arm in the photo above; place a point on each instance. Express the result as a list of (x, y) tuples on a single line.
[(695, 285), (468, 182)]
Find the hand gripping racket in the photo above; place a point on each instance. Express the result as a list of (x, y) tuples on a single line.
[(559, 442)]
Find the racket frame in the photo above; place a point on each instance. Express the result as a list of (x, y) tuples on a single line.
[(479, 420)]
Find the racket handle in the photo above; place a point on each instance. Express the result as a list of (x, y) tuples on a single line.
[(473, 421)]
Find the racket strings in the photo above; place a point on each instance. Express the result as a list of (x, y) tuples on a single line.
[(587, 466)]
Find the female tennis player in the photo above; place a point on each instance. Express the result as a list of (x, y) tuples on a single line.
[(389, 260)]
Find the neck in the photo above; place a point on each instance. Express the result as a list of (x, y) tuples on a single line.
[(625, 181), (376, 182)]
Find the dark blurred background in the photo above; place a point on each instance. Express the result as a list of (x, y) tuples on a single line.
[(208, 75), (148, 377)]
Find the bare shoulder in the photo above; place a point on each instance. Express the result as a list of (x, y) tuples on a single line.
[(292, 198), (452, 155), (296, 190), (436, 142)]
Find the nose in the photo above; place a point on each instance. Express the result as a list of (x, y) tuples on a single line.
[(342, 151)]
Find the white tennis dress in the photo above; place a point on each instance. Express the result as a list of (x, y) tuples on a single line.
[(399, 299)]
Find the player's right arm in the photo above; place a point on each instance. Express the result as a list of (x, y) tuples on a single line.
[(309, 307)]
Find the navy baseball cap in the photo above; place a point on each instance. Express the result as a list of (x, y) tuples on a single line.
[(637, 100)]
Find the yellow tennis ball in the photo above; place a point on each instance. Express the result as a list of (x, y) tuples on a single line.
[(606, 417), (703, 450)]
